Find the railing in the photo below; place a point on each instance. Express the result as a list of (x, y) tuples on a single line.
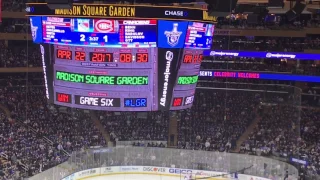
[(166, 157), (143, 143)]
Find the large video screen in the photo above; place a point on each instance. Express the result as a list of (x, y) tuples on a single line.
[(117, 79), (199, 35), (100, 32), (121, 33), (121, 65)]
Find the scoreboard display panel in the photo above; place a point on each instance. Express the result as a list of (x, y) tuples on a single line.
[(99, 32), (119, 64), (104, 100), (105, 57), (199, 35), (182, 99), (107, 79), (187, 78)]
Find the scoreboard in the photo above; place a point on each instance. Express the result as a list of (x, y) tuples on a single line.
[(100, 32), (135, 79), (121, 64)]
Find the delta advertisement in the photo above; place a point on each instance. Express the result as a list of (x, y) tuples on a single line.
[(161, 171)]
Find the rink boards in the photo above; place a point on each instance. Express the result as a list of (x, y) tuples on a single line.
[(153, 173)]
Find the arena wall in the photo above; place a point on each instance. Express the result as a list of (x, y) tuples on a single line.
[(161, 171)]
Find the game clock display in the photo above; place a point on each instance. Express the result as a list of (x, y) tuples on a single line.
[(105, 57)]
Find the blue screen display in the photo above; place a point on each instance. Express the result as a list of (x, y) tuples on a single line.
[(100, 32), (171, 34), (259, 54), (135, 102), (36, 29), (199, 35)]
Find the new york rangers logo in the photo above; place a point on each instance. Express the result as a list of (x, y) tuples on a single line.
[(34, 30), (173, 35)]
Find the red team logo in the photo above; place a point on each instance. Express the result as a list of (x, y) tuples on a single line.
[(104, 26)]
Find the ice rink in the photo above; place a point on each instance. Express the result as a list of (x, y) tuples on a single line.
[(140, 177), (133, 177)]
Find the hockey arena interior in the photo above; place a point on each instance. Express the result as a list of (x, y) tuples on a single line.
[(160, 90)]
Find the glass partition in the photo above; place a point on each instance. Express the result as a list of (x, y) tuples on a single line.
[(166, 157)]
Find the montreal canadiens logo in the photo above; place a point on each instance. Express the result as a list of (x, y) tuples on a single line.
[(104, 26)]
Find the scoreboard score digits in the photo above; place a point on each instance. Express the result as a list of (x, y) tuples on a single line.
[(99, 32)]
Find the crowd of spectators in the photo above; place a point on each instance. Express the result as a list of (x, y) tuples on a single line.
[(216, 120), (280, 44), (13, 5), (270, 22), (281, 132), (15, 26), (37, 136), (129, 126), (261, 65), (19, 55)]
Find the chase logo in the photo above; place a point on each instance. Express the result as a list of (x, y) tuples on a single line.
[(173, 36), (176, 13)]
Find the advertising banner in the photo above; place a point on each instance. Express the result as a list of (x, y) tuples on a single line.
[(260, 54), (152, 169), (168, 66), (258, 75), (47, 65)]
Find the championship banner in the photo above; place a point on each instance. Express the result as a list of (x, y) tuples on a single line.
[(122, 11)]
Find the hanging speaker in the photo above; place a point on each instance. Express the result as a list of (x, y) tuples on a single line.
[(275, 3), (295, 11)]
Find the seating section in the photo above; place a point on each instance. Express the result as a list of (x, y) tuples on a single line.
[(38, 136)]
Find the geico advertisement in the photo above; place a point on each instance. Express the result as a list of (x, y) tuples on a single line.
[(180, 171)]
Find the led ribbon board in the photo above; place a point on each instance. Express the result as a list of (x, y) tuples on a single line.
[(255, 54), (122, 11), (258, 75)]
